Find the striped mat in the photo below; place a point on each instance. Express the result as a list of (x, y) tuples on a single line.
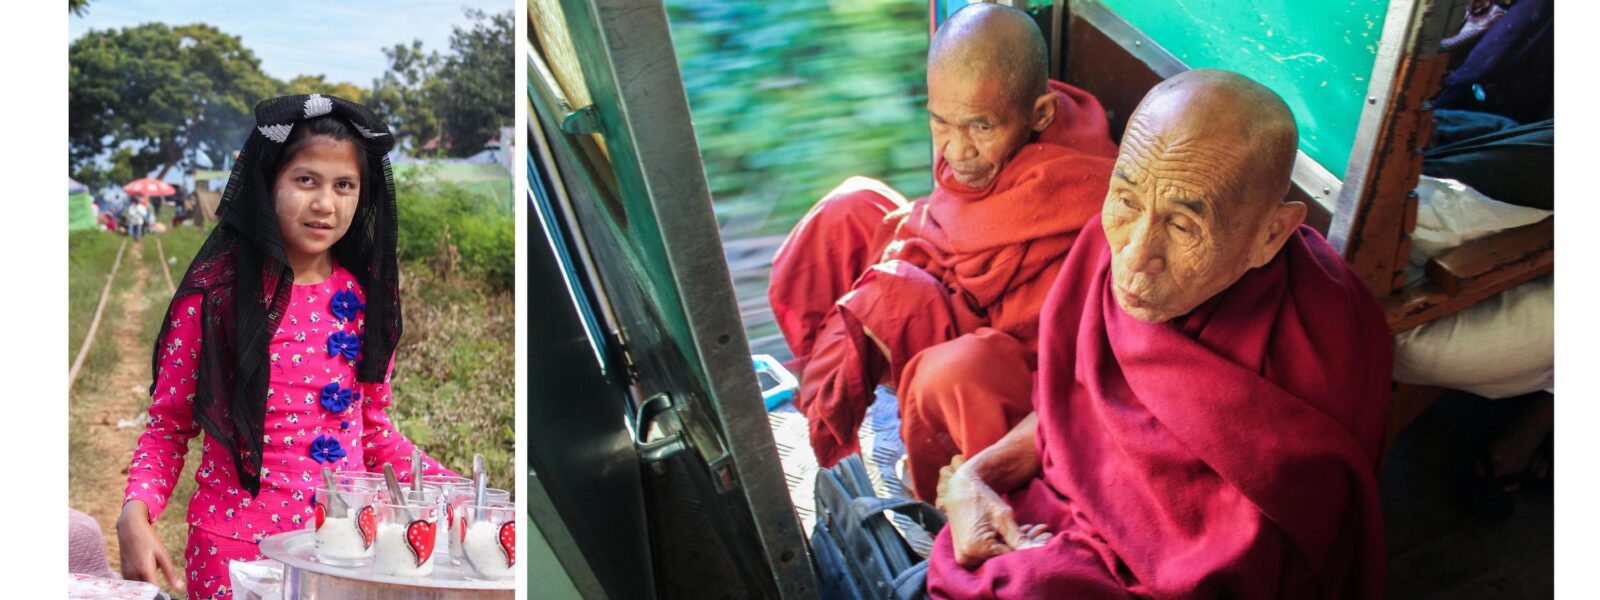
[(880, 445)]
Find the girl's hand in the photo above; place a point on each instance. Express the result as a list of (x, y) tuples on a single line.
[(142, 552)]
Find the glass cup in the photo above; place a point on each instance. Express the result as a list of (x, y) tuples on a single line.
[(407, 537), (488, 540), (446, 482), (371, 481), (458, 497), (446, 485), (343, 524)]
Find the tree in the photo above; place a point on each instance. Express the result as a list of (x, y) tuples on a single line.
[(479, 84), (119, 172), (78, 7), (161, 93), (404, 95), (318, 84)]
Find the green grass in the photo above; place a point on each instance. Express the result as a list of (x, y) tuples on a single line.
[(180, 246), (454, 375), (89, 257), (437, 214)]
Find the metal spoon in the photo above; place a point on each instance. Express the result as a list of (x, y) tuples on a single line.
[(416, 470), (396, 491), (480, 486), (336, 502)]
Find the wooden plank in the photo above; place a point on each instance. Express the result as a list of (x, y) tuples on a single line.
[(1419, 304), (1374, 208), (94, 324), (1497, 257)]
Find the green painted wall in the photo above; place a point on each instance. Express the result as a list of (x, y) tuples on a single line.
[(1317, 54)]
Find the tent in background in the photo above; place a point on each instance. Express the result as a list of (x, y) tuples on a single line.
[(80, 206)]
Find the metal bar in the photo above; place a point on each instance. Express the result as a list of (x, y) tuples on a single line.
[(647, 125), (1316, 180), (1058, 15), (588, 269), (1132, 40), (574, 120)]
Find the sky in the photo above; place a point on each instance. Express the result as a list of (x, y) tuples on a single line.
[(339, 39)]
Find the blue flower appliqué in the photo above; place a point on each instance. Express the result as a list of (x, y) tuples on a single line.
[(345, 304), (344, 344), (335, 399), (326, 449)]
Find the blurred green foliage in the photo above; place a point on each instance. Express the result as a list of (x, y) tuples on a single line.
[(478, 226), (790, 98)]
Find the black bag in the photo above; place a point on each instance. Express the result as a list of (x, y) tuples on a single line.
[(859, 553)]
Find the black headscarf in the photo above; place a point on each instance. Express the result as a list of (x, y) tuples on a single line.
[(245, 280)]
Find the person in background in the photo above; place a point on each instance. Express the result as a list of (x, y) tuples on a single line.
[(1507, 61), (137, 216)]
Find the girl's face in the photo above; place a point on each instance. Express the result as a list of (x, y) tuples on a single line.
[(316, 193)]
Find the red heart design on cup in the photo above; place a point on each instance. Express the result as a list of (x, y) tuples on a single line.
[(508, 541), (368, 524), (319, 513), (420, 536)]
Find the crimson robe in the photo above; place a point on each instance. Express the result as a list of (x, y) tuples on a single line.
[(931, 270), (1231, 452)]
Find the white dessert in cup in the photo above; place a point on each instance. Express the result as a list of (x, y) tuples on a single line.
[(404, 553), (344, 536), (491, 550), (489, 540)]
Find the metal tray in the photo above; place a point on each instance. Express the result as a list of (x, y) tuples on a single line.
[(305, 578)]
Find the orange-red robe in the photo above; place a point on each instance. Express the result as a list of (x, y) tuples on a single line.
[(866, 283)]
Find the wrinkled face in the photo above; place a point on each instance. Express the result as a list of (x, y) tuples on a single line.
[(1179, 233), (976, 125), (316, 193)]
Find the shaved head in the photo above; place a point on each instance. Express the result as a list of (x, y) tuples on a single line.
[(1197, 195), (988, 91), (993, 41), (1229, 109)]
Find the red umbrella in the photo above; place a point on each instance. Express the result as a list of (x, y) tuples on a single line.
[(149, 187)]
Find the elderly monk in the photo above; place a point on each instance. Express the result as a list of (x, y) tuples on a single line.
[(940, 297), (1212, 387)]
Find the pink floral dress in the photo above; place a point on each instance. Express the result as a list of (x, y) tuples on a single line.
[(317, 415)]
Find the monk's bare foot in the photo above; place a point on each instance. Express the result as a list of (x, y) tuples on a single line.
[(1515, 449)]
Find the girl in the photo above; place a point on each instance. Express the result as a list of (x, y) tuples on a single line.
[(278, 344)]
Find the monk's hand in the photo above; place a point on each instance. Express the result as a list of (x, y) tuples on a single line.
[(982, 525), (143, 556)]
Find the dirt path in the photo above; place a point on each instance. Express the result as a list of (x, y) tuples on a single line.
[(100, 449)]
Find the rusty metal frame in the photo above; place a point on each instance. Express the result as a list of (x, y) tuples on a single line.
[(1315, 180), (1376, 210)]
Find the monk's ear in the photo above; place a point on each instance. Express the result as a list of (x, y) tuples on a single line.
[(1044, 111), (1281, 223)]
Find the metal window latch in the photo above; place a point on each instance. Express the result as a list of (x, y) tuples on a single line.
[(671, 440), (667, 426)]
